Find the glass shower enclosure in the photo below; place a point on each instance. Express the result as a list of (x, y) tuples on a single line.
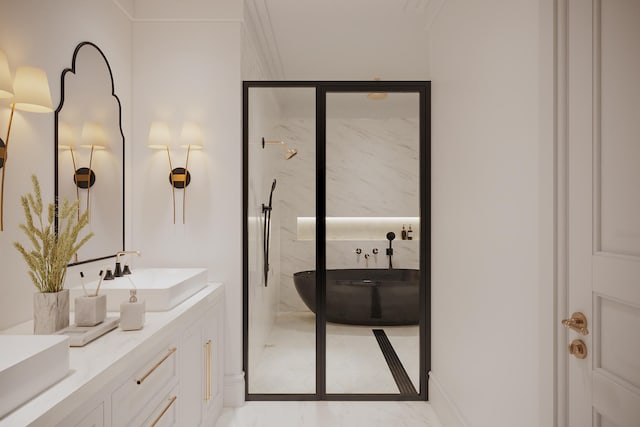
[(336, 240)]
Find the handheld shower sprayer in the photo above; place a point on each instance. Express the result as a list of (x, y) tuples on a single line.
[(273, 187), (266, 211)]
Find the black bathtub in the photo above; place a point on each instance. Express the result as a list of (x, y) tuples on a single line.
[(365, 296)]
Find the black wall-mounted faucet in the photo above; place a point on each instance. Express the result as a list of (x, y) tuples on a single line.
[(390, 236)]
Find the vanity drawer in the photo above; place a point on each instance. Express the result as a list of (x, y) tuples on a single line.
[(94, 419), (129, 399), (165, 414)]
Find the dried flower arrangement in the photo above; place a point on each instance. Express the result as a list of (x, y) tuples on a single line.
[(51, 254)]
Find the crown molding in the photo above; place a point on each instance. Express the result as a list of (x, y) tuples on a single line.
[(260, 30), (428, 10), (431, 12), (125, 11)]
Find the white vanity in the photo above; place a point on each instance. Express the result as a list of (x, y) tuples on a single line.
[(170, 373)]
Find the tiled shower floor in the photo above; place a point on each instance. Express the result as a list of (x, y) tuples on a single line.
[(355, 363)]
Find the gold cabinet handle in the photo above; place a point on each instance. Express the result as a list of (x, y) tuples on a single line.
[(578, 323), (207, 371), (578, 348), (166, 408), (150, 371)]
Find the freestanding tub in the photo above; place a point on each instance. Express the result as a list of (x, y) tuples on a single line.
[(365, 296)]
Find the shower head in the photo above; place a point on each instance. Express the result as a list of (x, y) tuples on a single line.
[(290, 153), (390, 236)]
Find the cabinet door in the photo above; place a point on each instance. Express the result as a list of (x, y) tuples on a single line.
[(94, 419), (90, 414), (214, 363), (192, 381)]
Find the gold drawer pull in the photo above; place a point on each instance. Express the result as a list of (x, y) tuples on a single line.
[(207, 371), (166, 408), (150, 371)]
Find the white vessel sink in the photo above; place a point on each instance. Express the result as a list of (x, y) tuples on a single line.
[(160, 288), (29, 364)]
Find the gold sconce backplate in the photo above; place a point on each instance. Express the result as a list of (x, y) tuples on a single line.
[(84, 178), (179, 178)]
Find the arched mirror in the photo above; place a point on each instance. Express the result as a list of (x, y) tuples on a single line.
[(89, 151)]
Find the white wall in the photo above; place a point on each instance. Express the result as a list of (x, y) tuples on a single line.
[(191, 71), (44, 34), (486, 215)]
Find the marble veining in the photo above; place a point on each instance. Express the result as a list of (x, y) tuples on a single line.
[(372, 170)]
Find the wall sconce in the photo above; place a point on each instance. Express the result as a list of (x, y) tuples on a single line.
[(179, 177), (288, 152), (30, 92), (94, 137), (67, 141)]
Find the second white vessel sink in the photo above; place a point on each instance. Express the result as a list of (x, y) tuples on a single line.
[(29, 364), (160, 288)]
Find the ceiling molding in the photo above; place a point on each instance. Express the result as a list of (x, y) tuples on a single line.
[(260, 29), (432, 11), (428, 10), (120, 4)]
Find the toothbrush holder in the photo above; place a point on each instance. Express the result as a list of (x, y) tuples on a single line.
[(132, 313), (90, 310)]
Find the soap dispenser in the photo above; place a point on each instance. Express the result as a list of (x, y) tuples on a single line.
[(403, 234), (409, 233), (132, 313)]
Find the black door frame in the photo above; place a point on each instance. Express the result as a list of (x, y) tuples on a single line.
[(423, 88)]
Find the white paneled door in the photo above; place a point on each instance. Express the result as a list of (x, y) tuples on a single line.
[(603, 208)]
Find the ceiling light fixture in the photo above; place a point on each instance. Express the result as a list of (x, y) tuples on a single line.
[(377, 96)]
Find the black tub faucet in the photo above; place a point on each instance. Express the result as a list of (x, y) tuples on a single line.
[(390, 236)]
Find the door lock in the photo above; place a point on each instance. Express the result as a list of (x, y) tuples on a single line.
[(578, 348), (578, 323)]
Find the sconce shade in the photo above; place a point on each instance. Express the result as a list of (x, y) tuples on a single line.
[(6, 85), (94, 135), (159, 135), (191, 136), (66, 136), (31, 90)]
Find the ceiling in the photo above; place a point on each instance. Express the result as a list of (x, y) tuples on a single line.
[(342, 39)]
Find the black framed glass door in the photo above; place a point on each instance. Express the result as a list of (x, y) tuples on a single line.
[(336, 240)]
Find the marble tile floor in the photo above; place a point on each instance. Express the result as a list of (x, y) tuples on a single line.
[(330, 414), (355, 363)]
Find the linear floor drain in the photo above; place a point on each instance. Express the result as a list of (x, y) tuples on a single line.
[(395, 365)]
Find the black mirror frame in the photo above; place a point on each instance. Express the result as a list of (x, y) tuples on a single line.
[(57, 112)]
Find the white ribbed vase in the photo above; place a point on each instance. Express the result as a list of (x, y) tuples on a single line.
[(50, 312)]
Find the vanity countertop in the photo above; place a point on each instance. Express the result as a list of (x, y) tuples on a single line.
[(93, 366)]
